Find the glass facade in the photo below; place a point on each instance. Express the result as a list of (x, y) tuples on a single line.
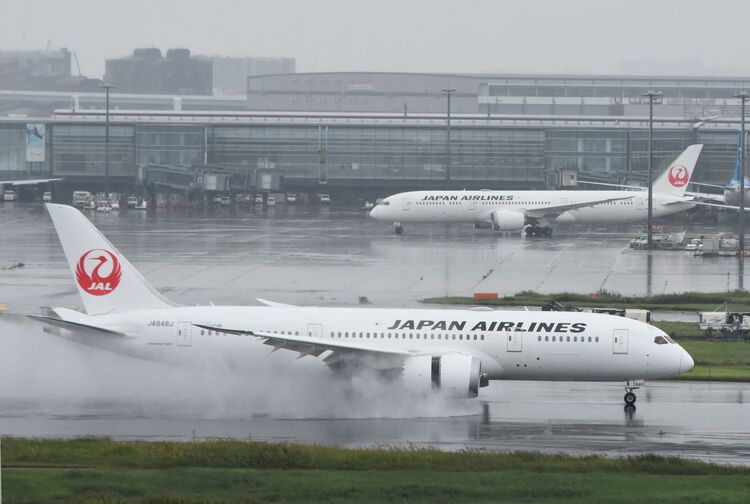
[(365, 151), (12, 148), (169, 144), (79, 149), (378, 153)]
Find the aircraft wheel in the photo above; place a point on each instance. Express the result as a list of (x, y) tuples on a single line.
[(530, 231), (547, 231), (630, 398), (399, 230)]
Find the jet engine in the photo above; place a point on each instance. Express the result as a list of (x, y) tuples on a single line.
[(456, 375), (507, 220)]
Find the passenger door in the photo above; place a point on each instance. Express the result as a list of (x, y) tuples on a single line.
[(515, 342), (314, 330), (620, 341), (184, 334)]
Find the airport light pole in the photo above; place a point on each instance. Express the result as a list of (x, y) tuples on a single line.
[(448, 92), (651, 94), (743, 96), (107, 87)]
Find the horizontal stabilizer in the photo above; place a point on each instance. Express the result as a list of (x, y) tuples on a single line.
[(76, 326)]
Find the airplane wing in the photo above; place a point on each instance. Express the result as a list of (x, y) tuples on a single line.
[(715, 205), (706, 196), (28, 181), (708, 185), (341, 351), (589, 182), (555, 210)]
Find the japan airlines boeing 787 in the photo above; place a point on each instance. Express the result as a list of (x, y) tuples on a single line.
[(535, 211), (454, 351)]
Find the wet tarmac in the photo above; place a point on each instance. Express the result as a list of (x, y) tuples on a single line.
[(313, 256), (338, 256), (706, 421)]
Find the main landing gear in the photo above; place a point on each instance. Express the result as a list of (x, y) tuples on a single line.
[(538, 231), (629, 394), (398, 228)]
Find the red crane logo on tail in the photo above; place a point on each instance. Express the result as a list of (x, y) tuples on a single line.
[(678, 175), (98, 272)]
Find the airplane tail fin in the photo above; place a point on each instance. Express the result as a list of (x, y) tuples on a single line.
[(674, 180), (737, 162), (106, 281)]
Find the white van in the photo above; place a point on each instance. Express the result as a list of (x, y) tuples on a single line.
[(82, 198)]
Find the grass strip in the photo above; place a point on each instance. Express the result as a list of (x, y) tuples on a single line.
[(738, 300), (237, 471)]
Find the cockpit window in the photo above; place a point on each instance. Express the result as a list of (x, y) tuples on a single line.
[(384, 203), (660, 340)]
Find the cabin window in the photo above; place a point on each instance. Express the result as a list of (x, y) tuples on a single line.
[(567, 338), (554, 338), (546, 338), (589, 339), (539, 338), (597, 339)]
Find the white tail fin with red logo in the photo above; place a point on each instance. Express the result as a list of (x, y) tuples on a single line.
[(674, 180), (106, 281)]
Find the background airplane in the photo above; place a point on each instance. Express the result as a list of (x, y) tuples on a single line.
[(731, 190), (452, 351), (22, 182), (536, 211)]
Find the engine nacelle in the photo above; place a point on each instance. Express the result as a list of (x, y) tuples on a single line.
[(456, 375), (507, 220)]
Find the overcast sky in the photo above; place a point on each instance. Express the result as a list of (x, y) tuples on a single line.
[(477, 36)]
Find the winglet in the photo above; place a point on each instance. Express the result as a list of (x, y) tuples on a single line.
[(271, 303)]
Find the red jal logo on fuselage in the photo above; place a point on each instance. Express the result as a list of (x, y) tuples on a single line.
[(678, 176), (98, 272)]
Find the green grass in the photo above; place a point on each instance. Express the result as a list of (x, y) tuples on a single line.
[(685, 301), (100, 470), (718, 353), (717, 373), (681, 330)]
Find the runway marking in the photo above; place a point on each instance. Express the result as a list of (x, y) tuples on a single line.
[(491, 271)]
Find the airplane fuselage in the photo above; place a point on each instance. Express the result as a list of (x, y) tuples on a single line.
[(477, 206), (532, 345)]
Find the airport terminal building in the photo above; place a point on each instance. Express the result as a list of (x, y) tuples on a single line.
[(175, 146)]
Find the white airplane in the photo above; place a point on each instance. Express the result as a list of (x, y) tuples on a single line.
[(21, 182), (535, 211), (731, 190), (454, 351)]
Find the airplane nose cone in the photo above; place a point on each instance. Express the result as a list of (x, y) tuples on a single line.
[(686, 362), (374, 213)]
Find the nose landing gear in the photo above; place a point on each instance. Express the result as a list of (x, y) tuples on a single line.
[(398, 228), (630, 386), (630, 398)]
